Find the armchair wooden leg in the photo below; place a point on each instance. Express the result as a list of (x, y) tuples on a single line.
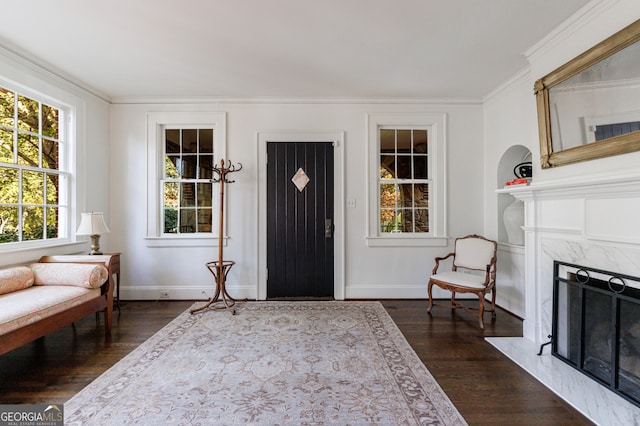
[(481, 313), (429, 286), (453, 300), (493, 302)]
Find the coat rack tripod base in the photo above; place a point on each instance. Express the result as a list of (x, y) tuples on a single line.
[(219, 271)]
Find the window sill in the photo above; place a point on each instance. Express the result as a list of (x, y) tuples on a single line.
[(191, 241), (407, 241), (21, 254)]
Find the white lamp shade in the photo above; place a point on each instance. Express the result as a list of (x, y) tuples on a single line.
[(92, 224)]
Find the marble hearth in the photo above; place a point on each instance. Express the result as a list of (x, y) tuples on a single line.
[(592, 223)]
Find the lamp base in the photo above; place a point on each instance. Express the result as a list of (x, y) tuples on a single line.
[(95, 245)]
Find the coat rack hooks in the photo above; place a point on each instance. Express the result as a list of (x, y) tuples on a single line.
[(223, 170)]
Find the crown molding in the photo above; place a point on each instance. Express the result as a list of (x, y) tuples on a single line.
[(293, 100)]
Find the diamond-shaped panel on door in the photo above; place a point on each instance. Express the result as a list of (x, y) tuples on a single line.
[(300, 179)]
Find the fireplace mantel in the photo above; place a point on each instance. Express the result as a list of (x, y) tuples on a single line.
[(598, 185), (590, 221)]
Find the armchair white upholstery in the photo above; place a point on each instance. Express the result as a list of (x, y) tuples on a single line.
[(471, 253)]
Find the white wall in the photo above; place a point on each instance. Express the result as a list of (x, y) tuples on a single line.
[(91, 157), (369, 272), (509, 127)]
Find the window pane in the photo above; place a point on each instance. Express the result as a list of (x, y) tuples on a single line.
[(420, 167), (406, 217), (28, 150), (170, 221), (404, 141), (406, 195), (7, 103), (388, 141), (420, 141), (204, 220), (6, 146), (204, 195), (50, 119), (206, 140), (404, 167), (32, 187), (171, 166), (206, 165), (28, 114), (189, 166), (171, 195), (188, 195), (52, 222), (172, 141), (53, 188), (50, 154), (9, 188), (187, 221), (33, 223), (190, 141), (388, 220), (421, 195), (387, 166), (9, 228), (421, 220), (388, 196)]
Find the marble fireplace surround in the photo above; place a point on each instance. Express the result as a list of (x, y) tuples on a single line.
[(592, 222)]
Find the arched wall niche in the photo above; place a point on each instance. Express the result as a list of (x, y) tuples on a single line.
[(512, 157)]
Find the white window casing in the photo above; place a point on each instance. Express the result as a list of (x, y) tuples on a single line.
[(157, 122), (435, 124)]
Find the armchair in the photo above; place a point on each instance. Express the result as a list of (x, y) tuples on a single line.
[(473, 271)]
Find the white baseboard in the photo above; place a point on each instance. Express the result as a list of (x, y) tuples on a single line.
[(250, 292), (182, 293), (395, 292)]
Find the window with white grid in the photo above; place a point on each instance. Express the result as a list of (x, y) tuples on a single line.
[(186, 187), (34, 176), (406, 179), (183, 147)]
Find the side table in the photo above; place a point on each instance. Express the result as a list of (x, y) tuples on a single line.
[(114, 269)]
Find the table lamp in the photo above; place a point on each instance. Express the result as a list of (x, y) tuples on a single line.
[(93, 224)]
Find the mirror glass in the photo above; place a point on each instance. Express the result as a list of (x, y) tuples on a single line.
[(598, 103)]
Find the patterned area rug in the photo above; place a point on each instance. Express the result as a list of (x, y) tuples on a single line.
[(273, 363)]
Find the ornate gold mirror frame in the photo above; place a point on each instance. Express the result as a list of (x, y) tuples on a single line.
[(603, 148)]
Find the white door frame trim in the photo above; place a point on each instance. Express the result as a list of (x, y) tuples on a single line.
[(338, 205)]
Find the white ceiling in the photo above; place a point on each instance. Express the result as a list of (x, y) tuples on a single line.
[(282, 48)]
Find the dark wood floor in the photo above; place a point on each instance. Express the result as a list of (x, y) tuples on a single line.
[(485, 386)]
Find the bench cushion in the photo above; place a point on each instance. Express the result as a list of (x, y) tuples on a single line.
[(14, 279), (70, 274), (24, 307)]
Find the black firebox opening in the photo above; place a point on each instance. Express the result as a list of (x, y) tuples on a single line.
[(596, 326)]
